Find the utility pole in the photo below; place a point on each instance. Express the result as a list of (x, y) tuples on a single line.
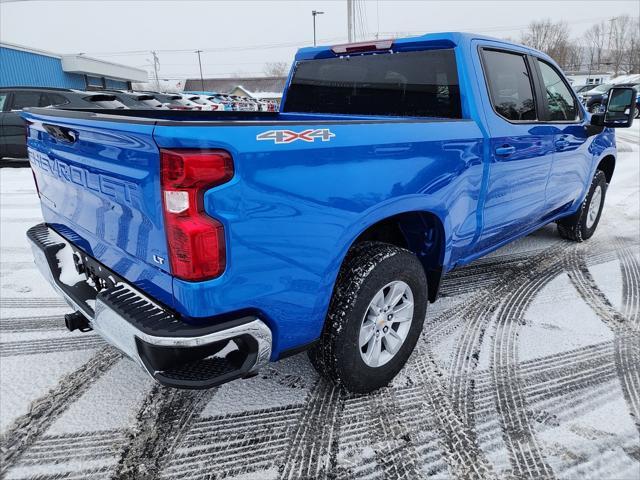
[(200, 64), (156, 64), (350, 20), (315, 13)]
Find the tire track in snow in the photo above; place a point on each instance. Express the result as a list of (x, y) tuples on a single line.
[(164, 416), (477, 314), (525, 454), (50, 345), (73, 447), (223, 443), (625, 330), (314, 444), (464, 457), (31, 302), (393, 439), (43, 411), (31, 324)]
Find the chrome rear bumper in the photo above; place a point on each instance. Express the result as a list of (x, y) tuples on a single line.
[(173, 352)]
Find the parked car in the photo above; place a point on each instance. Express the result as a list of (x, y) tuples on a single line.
[(582, 88), (223, 100), (137, 100), (14, 99), (205, 102), (234, 239), (173, 101), (596, 98), (243, 104)]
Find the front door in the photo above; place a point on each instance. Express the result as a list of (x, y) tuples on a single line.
[(572, 160), (520, 148)]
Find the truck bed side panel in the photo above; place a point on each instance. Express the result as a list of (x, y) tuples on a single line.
[(293, 209)]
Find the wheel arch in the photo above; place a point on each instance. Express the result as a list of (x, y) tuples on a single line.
[(421, 232), (607, 164)]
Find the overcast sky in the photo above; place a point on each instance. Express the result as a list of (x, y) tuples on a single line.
[(238, 37)]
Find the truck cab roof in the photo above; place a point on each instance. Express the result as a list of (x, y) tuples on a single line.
[(422, 42)]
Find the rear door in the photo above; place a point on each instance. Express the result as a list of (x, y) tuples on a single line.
[(572, 160), (520, 147)]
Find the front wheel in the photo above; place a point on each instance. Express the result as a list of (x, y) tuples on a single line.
[(581, 225), (375, 317)]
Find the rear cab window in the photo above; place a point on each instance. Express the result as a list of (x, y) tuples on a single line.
[(510, 85), (408, 84), (3, 101)]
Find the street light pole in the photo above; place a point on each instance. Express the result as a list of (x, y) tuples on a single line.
[(315, 13), (200, 64)]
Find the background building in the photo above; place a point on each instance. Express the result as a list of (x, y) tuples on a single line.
[(28, 67), (588, 78)]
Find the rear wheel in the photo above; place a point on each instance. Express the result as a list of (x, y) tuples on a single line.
[(375, 317), (582, 225), (595, 108)]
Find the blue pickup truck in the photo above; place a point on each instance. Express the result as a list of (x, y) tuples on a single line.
[(205, 244)]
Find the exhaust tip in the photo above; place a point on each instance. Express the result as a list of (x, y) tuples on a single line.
[(76, 321)]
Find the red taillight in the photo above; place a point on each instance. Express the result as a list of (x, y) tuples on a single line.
[(195, 240)]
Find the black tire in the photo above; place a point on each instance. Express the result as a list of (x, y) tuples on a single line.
[(595, 107), (369, 266), (575, 226), (636, 112)]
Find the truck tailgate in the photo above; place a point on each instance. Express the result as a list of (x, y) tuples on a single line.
[(99, 184)]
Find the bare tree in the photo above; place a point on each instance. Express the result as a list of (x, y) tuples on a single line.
[(631, 59), (549, 37), (276, 69), (575, 56), (595, 39), (619, 39)]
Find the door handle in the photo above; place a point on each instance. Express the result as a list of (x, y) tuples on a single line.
[(505, 150)]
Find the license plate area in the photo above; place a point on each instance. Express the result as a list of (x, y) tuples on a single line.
[(98, 276)]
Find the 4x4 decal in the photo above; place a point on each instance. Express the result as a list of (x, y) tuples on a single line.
[(288, 136)]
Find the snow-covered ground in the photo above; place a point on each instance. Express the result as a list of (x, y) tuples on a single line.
[(529, 367)]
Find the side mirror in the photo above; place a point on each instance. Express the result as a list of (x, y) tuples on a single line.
[(620, 109)]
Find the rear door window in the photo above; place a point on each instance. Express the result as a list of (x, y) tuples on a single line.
[(23, 99), (415, 84), (510, 85), (560, 102)]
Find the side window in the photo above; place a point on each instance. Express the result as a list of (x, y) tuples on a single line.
[(562, 105), (3, 101), (25, 99), (509, 85)]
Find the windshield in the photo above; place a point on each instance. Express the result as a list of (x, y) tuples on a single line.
[(416, 84), (603, 87)]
